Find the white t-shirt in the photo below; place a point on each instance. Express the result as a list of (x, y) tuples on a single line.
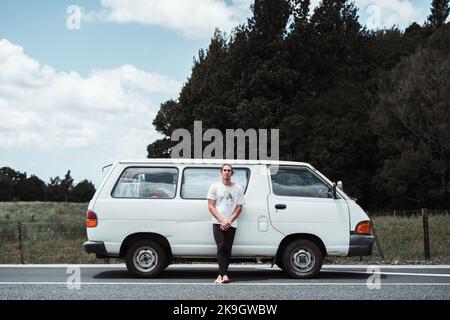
[(227, 198)]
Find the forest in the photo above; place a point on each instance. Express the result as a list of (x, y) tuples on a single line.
[(368, 107)]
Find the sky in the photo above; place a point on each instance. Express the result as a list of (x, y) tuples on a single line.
[(82, 80)]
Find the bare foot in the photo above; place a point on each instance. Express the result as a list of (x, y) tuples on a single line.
[(219, 279), (225, 279)]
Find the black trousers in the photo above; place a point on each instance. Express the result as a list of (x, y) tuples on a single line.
[(224, 241)]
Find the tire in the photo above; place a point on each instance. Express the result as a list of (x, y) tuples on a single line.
[(302, 259), (146, 259), (280, 265)]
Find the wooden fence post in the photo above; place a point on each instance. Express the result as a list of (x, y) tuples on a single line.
[(426, 234), (19, 230)]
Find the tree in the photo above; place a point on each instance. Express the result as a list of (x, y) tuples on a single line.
[(328, 119), (10, 181), (200, 98), (413, 122), (337, 43), (82, 192), (16, 186), (32, 189), (439, 13), (59, 189), (316, 76), (269, 19), (160, 148), (300, 11), (53, 190), (67, 185), (6, 185)]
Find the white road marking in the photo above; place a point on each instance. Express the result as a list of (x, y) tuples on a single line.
[(387, 266), (325, 269), (398, 273), (64, 265), (224, 285)]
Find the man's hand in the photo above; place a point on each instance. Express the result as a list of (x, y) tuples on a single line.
[(226, 224)]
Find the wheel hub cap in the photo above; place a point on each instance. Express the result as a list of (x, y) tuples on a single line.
[(145, 259), (302, 260)]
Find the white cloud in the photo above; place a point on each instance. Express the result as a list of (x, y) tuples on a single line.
[(190, 18), (199, 18), (43, 108), (133, 144), (386, 13)]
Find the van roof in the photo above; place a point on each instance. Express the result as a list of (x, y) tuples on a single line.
[(213, 161)]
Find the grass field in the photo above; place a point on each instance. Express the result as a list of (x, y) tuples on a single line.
[(51, 232), (401, 239), (55, 232)]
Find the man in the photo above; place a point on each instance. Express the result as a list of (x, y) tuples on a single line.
[(225, 200)]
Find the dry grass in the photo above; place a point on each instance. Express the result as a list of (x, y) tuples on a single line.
[(401, 239)]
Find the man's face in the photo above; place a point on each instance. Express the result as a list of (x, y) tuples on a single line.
[(226, 172)]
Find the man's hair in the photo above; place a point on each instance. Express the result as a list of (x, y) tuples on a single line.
[(227, 164)]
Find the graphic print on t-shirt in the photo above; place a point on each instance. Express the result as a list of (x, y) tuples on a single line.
[(229, 199)]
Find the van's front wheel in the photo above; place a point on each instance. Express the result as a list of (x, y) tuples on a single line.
[(146, 259), (302, 259)]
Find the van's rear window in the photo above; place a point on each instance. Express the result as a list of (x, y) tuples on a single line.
[(196, 181), (153, 183)]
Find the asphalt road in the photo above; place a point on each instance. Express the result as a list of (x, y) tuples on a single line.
[(249, 282)]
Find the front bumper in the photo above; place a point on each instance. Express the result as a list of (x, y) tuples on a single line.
[(360, 245)]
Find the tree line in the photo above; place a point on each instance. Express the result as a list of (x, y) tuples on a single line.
[(368, 107), (17, 186)]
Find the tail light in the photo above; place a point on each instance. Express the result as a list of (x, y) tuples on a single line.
[(363, 228), (91, 219)]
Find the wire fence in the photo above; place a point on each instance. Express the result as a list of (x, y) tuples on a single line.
[(410, 213)]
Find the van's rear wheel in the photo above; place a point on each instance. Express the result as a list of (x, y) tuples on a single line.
[(302, 259), (146, 259)]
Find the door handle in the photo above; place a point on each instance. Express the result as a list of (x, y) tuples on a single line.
[(280, 206)]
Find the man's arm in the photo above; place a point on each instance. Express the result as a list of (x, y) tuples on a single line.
[(235, 214), (233, 217), (212, 196), (212, 208), (237, 211)]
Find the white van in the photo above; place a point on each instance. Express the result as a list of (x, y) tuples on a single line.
[(152, 212)]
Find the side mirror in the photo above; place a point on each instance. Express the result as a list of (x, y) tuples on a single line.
[(340, 186)]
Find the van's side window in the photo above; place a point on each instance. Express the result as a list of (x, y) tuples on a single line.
[(196, 181), (159, 183), (298, 182)]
